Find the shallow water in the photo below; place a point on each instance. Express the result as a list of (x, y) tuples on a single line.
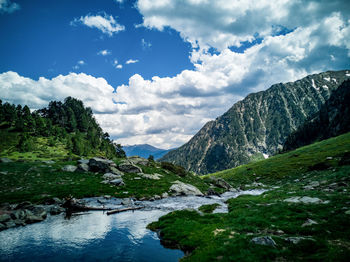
[(94, 236)]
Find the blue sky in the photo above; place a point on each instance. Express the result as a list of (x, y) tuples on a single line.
[(155, 71), (40, 41)]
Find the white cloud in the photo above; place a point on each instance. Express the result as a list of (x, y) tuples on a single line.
[(119, 66), (167, 111), (119, 1), (6, 6), (131, 61), (81, 62), (106, 23), (104, 52)]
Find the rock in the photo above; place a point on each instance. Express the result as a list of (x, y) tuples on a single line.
[(165, 195), (219, 182), (110, 176), (4, 218), (23, 205), (117, 182), (83, 161), (157, 197), (347, 212), (138, 160), (296, 240), (48, 162), (5, 160), (265, 241), (180, 188), (55, 210), (128, 167), (127, 202), (212, 192), (69, 168), (10, 224), (305, 200), (18, 214), (39, 211), (19, 222), (309, 222), (311, 185), (4, 172), (116, 171), (30, 219), (83, 167), (154, 176), (97, 164)]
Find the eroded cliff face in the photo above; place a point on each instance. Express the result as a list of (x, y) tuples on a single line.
[(257, 126)]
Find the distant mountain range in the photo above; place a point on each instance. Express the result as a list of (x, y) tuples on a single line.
[(145, 150), (257, 126)]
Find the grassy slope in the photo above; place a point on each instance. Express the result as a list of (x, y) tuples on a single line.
[(37, 181), (226, 237)]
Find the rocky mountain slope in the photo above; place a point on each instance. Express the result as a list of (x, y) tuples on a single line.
[(333, 119), (257, 126), (145, 150)]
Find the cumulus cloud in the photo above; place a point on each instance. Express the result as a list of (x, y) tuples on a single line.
[(167, 111), (6, 6), (145, 45), (131, 61), (105, 23), (104, 52)]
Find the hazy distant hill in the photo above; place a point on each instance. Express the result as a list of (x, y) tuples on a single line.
[(256, 126), (145, 151)]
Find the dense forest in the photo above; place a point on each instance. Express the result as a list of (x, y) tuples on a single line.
[(331, 120), (69, 122)]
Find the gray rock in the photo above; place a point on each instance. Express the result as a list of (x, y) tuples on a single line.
[(180, 188), (83, 161), (18, 214), (4, 172), (110, 176), (309, 222), (296, 240), (4, 218), (127, 202), (138, 160), (157, 197), (219, 182), (33, 219), (117, 182), (97, 164), (5, 160), (55, 210), (305, 200), (128, 167), (165, 195), (116, 171), (83, 167), (154, 176), (49, 162), (69, 168), (265, 241)]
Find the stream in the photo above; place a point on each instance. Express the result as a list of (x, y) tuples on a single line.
[(94, 236)]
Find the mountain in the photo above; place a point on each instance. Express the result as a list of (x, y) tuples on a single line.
[(257, 126), (333, 119), (145, 150)]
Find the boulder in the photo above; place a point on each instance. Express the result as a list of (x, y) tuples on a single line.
[(264, 241), (83, 167), (55, 210), (83, 161), (4, 218), (97, 164), (69, 168), (116, 171), (309, 222), (296, 240), (136, 160), (219, 182), (48, 162), (180, 188), (127, 202), (154, 176), (212, 192), (128, 167), (165, 195), (110, 176), (5, 160), (117, 182), (305, 200)]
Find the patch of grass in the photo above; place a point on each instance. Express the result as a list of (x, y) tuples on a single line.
[(227, 237), (208, 208)]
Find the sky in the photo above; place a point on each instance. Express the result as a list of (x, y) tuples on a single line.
[(155, 71)]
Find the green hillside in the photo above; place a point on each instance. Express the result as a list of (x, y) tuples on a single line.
[(304, 215)]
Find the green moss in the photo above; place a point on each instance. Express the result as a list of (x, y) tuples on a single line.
[(208, 208)]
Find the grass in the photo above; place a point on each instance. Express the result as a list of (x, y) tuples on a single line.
[(227, 237), (37, 181)]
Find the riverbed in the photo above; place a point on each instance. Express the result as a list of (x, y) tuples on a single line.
[(95, 236)]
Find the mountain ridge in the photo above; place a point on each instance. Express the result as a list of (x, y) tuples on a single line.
[(256, 125), (145, 150)]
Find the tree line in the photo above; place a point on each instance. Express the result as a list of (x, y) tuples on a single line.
[(69, 122)]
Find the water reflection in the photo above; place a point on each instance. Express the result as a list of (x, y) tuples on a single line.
[(94, 236)]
